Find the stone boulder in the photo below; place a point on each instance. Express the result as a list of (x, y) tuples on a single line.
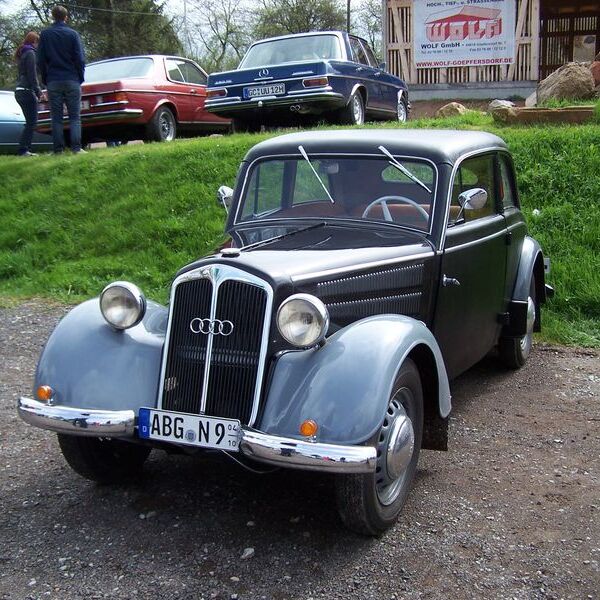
[(573, 81), (595, 69), (496, 104), (451, 110)]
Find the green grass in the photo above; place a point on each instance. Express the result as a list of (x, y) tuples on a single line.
[(71, 224)]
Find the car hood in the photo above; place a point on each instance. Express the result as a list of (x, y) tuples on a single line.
[(323, 251)]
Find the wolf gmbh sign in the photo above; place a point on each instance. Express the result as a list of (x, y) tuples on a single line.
[(459, 33)]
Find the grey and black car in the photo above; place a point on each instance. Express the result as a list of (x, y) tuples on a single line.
[(367, 268)]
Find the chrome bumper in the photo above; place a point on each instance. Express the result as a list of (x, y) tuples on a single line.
[(109, 115), (235, 103), (270, 449)]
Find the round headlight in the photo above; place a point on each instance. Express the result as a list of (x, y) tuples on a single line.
[(303, 320), (122, 304)]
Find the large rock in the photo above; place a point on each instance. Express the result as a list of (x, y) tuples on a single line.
[(496, 104), (451, 110), (595, 69), (573, 81)]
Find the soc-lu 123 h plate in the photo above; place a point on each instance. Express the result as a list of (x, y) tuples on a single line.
[(191, 430)]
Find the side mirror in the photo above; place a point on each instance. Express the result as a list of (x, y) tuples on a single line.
[(473, 199), (224, 196)]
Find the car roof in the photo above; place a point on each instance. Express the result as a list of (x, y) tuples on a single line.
[(294, 35), (438, 145)]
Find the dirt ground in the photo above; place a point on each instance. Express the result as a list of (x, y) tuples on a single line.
[(512, 510)]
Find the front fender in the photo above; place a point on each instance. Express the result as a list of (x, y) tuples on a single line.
[(345, 385), (90, 365)]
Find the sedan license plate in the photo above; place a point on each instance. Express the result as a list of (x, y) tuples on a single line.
[(259, 91), (192, 430)]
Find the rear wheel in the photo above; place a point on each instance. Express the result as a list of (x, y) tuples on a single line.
[(514, 352), (354, 112), (101, 459), (163, 126), (370, 503)]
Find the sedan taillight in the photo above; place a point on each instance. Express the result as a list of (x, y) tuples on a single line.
[(315, 82), (216, 93)]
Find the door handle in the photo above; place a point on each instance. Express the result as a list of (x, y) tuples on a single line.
[(448, 281), (359, 69), (193, 91)]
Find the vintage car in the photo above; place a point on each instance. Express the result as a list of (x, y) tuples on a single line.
[(287, 79), (12, 122), (367, 267), (142, 97)]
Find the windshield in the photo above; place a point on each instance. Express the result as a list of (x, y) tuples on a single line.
[(367, 188), (293, 49), (117, 69)]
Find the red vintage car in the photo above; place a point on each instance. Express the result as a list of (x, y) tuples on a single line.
[(154, 98)]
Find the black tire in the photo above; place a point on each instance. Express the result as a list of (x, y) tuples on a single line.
[(162, 127), (514, 352), (103, 460), (402, 111), (354, 112), (369, 504)]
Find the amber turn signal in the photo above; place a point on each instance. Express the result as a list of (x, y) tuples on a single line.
[(44, 393), (308, 428)]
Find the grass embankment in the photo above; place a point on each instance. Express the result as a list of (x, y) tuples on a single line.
[(71, 224)]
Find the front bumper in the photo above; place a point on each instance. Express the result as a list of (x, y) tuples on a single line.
[(262, 447)]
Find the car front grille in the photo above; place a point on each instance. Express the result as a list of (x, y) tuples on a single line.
[(209, 369)]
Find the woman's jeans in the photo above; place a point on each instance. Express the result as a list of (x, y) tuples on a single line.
[(29, 105), (65, 93)]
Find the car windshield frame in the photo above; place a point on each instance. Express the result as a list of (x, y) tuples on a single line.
[(254, 57), (239, 220), (114, 73)]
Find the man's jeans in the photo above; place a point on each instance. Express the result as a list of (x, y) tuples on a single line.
[(29, 105), (67, 93)]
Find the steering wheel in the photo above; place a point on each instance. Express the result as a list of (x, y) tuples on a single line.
[(394, 199)]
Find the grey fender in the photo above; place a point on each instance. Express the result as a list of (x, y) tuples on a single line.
[(345, 385), (91, 365)]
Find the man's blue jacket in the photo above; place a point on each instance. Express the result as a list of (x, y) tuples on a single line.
[(60, 54)]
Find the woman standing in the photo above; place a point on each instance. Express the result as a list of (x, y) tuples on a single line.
[(28, 92)]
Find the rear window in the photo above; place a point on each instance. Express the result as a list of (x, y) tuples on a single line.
[(117, 69)]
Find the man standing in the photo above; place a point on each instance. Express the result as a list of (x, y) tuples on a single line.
[(62, 64)]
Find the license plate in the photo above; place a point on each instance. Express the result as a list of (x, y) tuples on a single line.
[(191, 430), (259, 91)]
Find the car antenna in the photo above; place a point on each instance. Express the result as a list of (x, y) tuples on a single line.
[(305, 156)]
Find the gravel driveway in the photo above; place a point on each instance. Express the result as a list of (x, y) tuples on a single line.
[(511, 511)]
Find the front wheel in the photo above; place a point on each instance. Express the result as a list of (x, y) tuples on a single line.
[(401, 109), (370, 503), (163, 126), (103, 460)]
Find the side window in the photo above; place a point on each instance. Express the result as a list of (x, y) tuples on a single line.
[(476, 172), (192, 74), (370, 54), (507, 183), (358, 51), (265, 190), (173, 71)]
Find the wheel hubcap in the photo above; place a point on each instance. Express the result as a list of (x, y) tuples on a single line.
[(526, 340), (166, 127), (357, 110), (395, 449), (401, 111)]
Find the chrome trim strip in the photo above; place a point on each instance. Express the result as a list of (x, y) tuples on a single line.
[(455, 168), (77, 421), (309, 91), (359, 267), (115, 103), (310, 456), (218, 274), (349, 154), (478, 240)]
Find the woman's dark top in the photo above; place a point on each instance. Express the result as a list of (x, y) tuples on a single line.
[(27, 71)]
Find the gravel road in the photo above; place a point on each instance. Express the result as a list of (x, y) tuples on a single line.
[(511, 511)]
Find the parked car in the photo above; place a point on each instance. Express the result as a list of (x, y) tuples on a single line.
[(328, 74), (12, 122), (154, 98), (368, 267)]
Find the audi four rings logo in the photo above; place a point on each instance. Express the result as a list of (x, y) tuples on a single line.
[(263, 72), (211, 326)]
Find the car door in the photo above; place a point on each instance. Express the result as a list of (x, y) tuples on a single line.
[(387, 85), (365, 73), (196, 79), (183, 94), (471, 293)]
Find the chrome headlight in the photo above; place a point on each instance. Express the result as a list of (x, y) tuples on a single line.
[(122, 304), (303, 320)]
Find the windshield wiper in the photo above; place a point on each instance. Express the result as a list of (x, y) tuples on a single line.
[(305, 156), (395, 163), (282, 236)]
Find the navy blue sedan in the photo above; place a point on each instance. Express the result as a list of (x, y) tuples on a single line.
[(328, 74)]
